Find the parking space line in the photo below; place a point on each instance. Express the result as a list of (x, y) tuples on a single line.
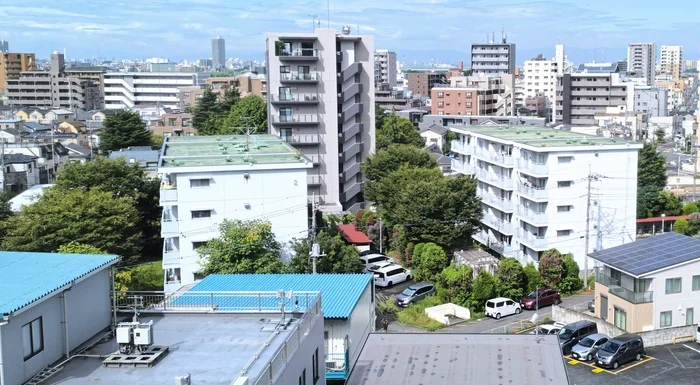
[(646, 359), (596, 369), (691, 348)]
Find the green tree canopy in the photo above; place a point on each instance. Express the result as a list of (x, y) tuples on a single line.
[(429, 260), (552, 268), (205, 112), (511, 278), (533, 278), (157, 141), (121, 179), (689, 208), (243, 247), (454, 284), (124, 129), (430, 207), (656, 202), (397, 130), (252, 107), (386, 161), (485, 287), (571, 282), (379, 116), (682, 226), (651, 181), (5, 211), (78, 248), (230, 98), (93, 217), (339, 256)]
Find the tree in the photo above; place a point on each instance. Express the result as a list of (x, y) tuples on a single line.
[(339, 256), (571, 283), (94, 217), (429, 206), (386, 161), (379, 116), (551, 268), (122, 180), (73, 247), (250, 111), (511, 278), (231, 97), (157, 141), (655, 203), (5, 211), (429, 260), (651, 180), (447, 145), (689, 208), (484, 286), (454, 284), (397, 130), (243, 247), (204, 113), (124, 129), (682, 226), (533, 278)]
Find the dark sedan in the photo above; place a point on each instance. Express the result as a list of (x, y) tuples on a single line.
[(539, 298)]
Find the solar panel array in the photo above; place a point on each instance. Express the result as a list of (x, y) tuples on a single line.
[(650, 254)]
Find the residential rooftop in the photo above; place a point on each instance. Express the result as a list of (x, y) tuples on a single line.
[(469, 359), (227, 150), (541, 136), (212, 348), (28, 197), (26, 277)]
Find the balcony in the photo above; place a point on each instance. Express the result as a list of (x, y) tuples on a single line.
[(301, 54), (169, 226), (535, 242), (303, 77), (462, 148), (614, 288), (533, 168), (501, 225), (462, 167), (532, 216), (505, 205), (294, 99), (498, 247), (170, 254), (336, 366), (532, 192), (313, 180), (500, 181), (303, 140), (494, 157), (292, 120), (168, 195)]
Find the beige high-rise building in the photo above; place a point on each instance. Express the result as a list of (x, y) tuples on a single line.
[(12, 64), (672, 61)]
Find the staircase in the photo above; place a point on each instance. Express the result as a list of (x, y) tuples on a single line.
[(43, 375)]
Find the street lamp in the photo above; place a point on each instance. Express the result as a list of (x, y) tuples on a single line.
[(663, 222)]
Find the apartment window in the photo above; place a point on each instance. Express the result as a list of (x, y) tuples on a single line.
[(564, 183), (564, 209), (441, 104), (314, 366), (468, 104), (564, 233), (673, 285), (666, 319), (441, 113), (302, 378), (32, 338), (696, 282), (199, 182), (285, 69), (196, 214), (469, 94), (197, 244), (441, 94)]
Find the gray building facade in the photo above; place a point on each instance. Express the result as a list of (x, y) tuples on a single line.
[(641, 61), (384, 69), (321, 101), (651, 100), (493, 58), (580, 96), (4, 46), (218, 52)]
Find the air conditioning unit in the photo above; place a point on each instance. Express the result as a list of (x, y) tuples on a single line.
[(134, 336), (183, 380)]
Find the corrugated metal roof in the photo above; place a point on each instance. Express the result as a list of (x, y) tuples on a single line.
[(27, 277), (340, 293)]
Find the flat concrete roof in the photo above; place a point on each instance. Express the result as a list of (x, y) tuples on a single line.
[(542, 136), (468, 359), (213, 348)]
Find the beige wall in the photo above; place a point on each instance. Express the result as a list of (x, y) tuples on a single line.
[(454, 101), (638, 315), (11, 64)]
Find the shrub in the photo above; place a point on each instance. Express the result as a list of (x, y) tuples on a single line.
[(415, 314)]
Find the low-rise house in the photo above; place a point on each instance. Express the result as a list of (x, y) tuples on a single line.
[(78, 153), (144, 156), (20, 173), (27, 197), (59, 115), (434, 134), (649, 284), (72, 127), (355, 237), (477, 259), (444, 162), (10, 135), (50, 304), (10, 124), (34, 127), (348, 308)]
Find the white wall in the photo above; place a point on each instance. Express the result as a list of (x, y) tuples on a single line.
[(357, 328), (302, 358), (687, 298)]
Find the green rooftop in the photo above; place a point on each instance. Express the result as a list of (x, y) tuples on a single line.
[(543, 136), (227, 150)]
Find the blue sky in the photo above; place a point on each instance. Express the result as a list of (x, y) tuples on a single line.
[(415, 29)]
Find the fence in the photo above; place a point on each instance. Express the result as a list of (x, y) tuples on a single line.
[(578, 312)]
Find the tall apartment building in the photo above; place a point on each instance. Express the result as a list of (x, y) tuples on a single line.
[(533, 185), (582, 95), (493, 58), (384, 69), (95, 73), (218, 52), (421, 83), (672, 61), (651, 100), (13, 64), (4, 46), (474, 95), (641, 61), (53, 89), (136, 89), (540, 77), (321, 101), (207, 180)]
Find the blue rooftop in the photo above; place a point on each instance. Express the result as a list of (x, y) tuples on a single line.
[(27, 277), (340, 293)]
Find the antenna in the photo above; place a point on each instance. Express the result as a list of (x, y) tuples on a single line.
[(328, 7), (314, 18)]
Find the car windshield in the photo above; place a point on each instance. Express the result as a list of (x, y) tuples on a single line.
[(610, 347), (408, 292), (565, 334), (533, 294), (586, 342)]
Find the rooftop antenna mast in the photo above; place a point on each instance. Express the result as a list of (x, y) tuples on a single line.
[(315, 251)]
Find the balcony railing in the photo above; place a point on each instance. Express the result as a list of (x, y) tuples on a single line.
[(630, 296), (168, 225), (462, 167), (306, 118), (313, 180), (497, 202), (533, 168), (303, 139), (493, 157), (336, 366), (168, 194), (532, 215), (303, 76), (462, 148), (532, 240), (501, 225), (500, 181), (295, 98), (301, 52), (533, 192), (496, 246)]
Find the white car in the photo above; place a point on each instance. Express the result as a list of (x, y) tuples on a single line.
[(499, 307), (390, 275), (373, 259), (549, 328)]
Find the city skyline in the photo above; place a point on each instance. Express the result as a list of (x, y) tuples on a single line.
[(184, 29)]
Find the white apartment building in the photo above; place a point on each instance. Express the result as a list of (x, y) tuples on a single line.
[(207, 179), (540, 75), (641, 61), (136, 89), (385, 68), (533, 184), (321, 101), (672, 61)]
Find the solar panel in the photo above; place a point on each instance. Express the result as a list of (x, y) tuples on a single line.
[(650, 254)]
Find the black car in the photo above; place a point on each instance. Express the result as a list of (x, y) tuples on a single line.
[(572, 333), (620, 350)]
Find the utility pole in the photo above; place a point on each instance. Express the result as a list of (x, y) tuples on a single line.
[(678, 174), (694, 149), (588, 228), (381, 238), (315, 251)]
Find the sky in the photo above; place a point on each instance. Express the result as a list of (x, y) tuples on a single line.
[(417, 30)]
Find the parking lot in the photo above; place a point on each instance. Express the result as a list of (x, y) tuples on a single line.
[(670, 364)]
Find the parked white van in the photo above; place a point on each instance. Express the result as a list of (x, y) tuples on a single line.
[(372, 259), (390, 275), (499, 307)]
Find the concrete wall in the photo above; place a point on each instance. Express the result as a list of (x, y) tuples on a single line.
[(362, 322), (302, 358), (665, 336), (639, 316)]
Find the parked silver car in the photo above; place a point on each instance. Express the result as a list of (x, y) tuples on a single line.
[(415, 293), (586, 349)]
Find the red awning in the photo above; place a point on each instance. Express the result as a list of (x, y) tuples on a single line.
[(352, 235), (659, 219)]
